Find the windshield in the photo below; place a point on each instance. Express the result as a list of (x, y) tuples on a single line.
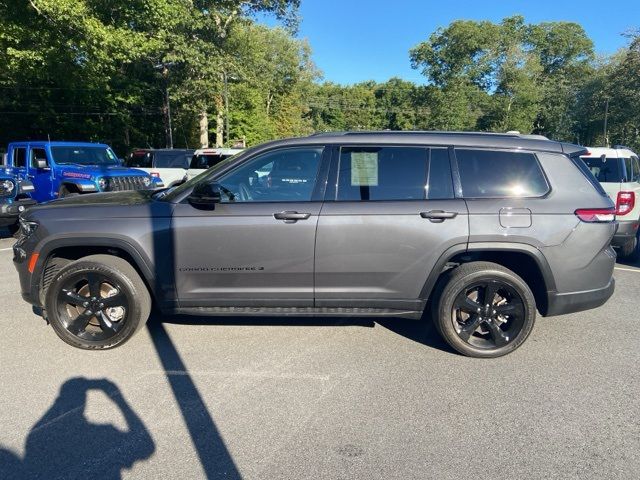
[(169, 195), (604, 169), (84, 155)]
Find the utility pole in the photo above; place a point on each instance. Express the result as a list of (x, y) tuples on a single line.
[(606, 118), (170, 130), (163, 68), (226, 107)]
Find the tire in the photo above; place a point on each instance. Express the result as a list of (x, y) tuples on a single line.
[(631, 251), (65, 192), (501, 325), (97, 302)]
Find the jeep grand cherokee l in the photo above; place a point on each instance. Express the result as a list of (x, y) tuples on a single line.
[(485, 229)]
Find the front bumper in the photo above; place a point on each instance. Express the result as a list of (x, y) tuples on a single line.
[(625, 233), (9, 211), (562, 303)]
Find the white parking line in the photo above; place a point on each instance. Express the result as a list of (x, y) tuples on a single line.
[(5, 249), (637, 270)]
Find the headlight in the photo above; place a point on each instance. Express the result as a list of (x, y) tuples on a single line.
[(6, 187), (146, 181), (103, 183)]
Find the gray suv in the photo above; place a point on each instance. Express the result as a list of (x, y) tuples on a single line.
[(477, 230)]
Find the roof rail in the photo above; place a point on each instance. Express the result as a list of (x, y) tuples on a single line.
[(512, 133)]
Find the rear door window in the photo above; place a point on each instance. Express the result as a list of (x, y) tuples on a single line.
[(628, 169), (382, 173), (500, 174), (605, 169), (20, 157), (636, 169), (440, 183)]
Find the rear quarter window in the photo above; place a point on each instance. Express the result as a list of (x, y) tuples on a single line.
[(500, 174)]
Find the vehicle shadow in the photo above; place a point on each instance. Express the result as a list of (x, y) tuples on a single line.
[(420, 331), (64, 444)]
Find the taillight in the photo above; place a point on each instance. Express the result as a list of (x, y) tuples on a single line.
[(625, 202), (596, 215)]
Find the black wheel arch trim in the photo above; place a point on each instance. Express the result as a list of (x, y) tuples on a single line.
[(479, 247), (46, 248)]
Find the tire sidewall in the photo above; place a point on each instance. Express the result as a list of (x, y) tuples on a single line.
[(133, 318), (445, 322)]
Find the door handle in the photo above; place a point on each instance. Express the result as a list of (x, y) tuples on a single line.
[(438, 216), (291, 217)]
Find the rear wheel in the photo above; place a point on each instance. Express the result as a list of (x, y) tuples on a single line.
[(97, 302), (484, 310), (631, 251)]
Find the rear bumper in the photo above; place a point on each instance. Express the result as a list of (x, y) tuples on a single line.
[(562, 303), (625, 233)]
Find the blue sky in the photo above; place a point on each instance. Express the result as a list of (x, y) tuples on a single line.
[(357, 40)]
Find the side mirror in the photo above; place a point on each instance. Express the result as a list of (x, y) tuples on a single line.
[(205, 195), (40, 163)]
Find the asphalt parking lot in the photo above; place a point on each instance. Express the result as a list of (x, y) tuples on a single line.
[(271, 398)]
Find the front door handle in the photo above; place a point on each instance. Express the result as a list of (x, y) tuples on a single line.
[(291, 217), (438, 216)]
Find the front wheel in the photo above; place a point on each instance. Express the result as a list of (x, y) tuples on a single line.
[(97, 302), (484, 310)]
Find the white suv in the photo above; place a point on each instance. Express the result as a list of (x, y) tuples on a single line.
[(168, 164), (618, 171), (205, 158)]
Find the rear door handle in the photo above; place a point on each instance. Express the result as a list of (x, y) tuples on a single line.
[(438, 216), (291, 217)]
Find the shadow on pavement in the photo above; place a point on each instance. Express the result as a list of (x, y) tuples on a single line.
[(212, 452), (63, 444), (420, 331)]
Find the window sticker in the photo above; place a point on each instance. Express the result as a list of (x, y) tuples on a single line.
[(364, 169)]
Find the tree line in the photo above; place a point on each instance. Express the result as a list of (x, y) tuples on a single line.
[(187, 73)]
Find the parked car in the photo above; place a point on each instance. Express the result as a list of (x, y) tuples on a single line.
[(169, 165), (206, 158), (14, 198), (60, 169), (618, 171), (485, 228)]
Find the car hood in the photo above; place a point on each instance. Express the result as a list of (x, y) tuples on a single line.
[(100, 206), (125, 198)]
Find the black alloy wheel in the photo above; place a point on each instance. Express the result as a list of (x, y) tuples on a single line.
[(483, 309), (96, 302), (92, 306), (488, 314)]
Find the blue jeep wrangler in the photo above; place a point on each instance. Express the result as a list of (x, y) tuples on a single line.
[(14, 198), (59, 169)]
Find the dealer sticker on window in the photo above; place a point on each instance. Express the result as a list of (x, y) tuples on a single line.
[(364, 169)]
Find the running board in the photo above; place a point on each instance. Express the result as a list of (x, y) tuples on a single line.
[(300, 312)]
